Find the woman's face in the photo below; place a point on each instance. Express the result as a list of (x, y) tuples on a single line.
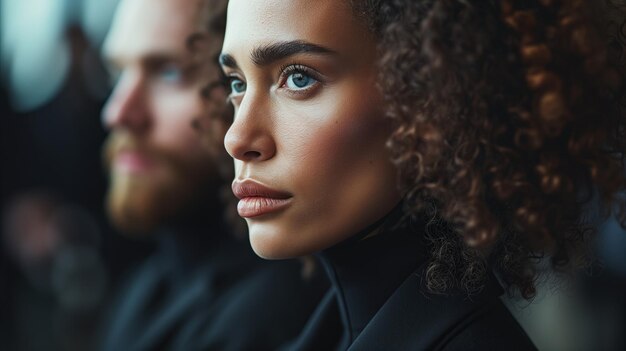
[(309, 134)]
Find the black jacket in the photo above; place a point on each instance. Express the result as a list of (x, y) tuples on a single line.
[(223, 299), (378, 301)]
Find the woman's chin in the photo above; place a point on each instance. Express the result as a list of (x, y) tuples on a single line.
[(271, 246), (273, 243)]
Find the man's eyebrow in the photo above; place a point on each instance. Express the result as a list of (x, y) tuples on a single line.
[(158, 59), (267, 54), (151, 60)]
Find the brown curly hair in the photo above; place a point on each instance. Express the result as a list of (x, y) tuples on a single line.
[(509, 126), (205, 45)]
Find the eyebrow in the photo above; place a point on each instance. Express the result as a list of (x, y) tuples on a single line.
[(157, 60), (228, 61), (151, 60), (267, 54)]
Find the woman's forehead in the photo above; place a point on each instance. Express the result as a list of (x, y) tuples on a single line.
[(253, 23)]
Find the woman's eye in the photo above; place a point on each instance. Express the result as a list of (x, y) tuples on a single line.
[(237, 85), (299, 80)]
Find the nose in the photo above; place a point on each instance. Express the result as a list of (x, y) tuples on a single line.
[(250, 137), (126, 107)]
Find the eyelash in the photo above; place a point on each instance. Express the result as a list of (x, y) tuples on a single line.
[(285, 72), (288, 69), (228, 81)]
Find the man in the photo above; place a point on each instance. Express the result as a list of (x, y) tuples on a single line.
[(202, 289)]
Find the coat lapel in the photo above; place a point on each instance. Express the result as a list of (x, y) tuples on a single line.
[(414, 320), (323, 330)]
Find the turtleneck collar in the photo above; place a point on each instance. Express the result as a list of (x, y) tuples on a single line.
[(367, 268)]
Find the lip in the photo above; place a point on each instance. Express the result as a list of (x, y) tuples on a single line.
[(256, 199), (132, 162)]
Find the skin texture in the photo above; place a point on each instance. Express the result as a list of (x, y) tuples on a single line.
[(324, 144), (155, 159)]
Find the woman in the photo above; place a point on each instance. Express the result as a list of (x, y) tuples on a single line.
[(492, 151)]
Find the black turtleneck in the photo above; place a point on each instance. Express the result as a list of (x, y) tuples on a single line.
[(378, 300), (367, 268)]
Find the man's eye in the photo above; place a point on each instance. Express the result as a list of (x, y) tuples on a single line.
[(299, 80), (237, 85), (171, 74)]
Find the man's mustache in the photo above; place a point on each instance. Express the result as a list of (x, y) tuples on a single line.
[(119, 142)]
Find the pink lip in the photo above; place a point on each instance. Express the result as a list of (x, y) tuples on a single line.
[(132, 162), (256, 199)]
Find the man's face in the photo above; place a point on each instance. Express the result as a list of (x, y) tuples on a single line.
[(155, 158)]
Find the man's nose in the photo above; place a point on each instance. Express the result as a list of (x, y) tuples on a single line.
[(127, 106)]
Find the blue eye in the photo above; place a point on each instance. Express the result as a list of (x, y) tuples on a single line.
[(299, 80), (171, 74), (237, 85)]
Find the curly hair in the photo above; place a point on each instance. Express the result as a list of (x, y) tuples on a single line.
[(205, 45), (508, 125)]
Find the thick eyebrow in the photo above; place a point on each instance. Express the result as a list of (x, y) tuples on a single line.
[(267, 54), (228, 61)]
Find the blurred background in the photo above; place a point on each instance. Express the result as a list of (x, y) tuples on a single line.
[(59, 259)]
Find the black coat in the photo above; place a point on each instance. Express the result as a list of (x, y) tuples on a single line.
[(226, 299), (379, 302), (411, 320)]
